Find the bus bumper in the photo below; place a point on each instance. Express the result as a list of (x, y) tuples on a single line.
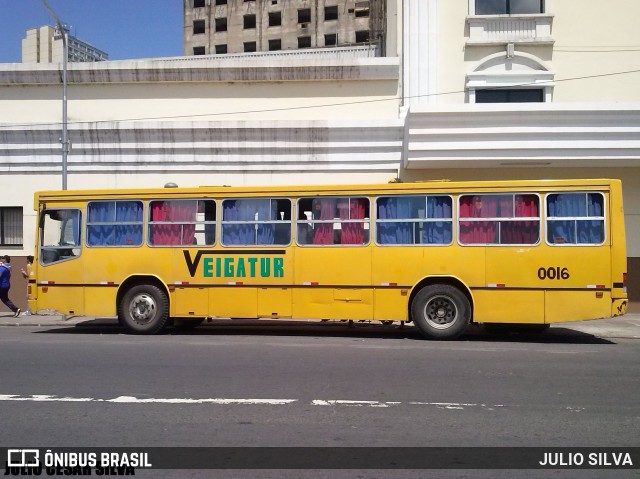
[(618, 307)]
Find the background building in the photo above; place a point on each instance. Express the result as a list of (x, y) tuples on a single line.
[(44, 45), (466, 90), (235, 26)]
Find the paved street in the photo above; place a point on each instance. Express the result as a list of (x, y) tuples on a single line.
[(84, 382)]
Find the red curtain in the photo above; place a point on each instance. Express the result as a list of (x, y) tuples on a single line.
[(324, 209), (173, 211), (353, 233), (499, 206), (478, 232)]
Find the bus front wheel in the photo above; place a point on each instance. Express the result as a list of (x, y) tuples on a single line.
[(441, 311), (144, 309)]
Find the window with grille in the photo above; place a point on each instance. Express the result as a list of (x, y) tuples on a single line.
[(11, 226), (505, 95), (509, 7)]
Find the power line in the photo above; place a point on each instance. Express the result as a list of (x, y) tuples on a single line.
[(327, 105), (596, 51)]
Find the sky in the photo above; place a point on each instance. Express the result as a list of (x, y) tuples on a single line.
[(121, 28)]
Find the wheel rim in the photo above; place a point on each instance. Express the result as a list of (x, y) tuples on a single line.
[(440, 312), (142, 308)]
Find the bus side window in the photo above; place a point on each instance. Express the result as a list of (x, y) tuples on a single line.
[(341, 220), (409, 220), (575, 218), (114, 223), (256, 221)]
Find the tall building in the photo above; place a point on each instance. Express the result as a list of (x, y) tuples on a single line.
[(44, 45), (236, 26)]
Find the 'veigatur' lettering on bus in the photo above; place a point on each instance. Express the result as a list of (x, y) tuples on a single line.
[(236, 267), (553, 272)]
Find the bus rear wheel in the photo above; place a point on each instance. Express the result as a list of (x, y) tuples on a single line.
[(144, 309), (441, 311)]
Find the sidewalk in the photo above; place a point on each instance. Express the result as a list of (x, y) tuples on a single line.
[(627, 326)]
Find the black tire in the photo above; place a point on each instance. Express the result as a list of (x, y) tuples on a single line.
[(144, 309), (386, 322), (441, 311)]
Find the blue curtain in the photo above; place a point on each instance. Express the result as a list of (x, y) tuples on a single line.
[(267, 211), (397, 232), (415, 208), (111, 233), (246, 210), (101, 235), (576, 231), (438, 232)]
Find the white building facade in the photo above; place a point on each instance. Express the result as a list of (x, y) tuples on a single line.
[(556, 79)]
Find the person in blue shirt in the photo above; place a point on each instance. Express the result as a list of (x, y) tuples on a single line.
[(5, 284)]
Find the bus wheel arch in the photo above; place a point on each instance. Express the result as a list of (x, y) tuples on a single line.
[(441, 307), (143, 305)]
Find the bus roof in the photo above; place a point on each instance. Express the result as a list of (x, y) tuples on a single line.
[(393, 187)]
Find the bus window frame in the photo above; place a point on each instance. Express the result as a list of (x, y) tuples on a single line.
[(605, 210), (451, 220), (115, 223), (539, 218), (41, 231), (222, 222), (365, 221), (149, 223)]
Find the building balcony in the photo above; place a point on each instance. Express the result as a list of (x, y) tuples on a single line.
[(534, 29)]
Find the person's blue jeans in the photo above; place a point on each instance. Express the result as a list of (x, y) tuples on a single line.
[(4, 297)]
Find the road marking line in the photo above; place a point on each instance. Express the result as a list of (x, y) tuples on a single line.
[(236, 401), (346, 402), (133, 399), (42, 398)]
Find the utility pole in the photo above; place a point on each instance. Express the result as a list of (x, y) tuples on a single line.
[(65, 139)]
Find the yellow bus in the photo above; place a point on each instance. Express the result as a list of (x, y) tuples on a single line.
[(439, 254)]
